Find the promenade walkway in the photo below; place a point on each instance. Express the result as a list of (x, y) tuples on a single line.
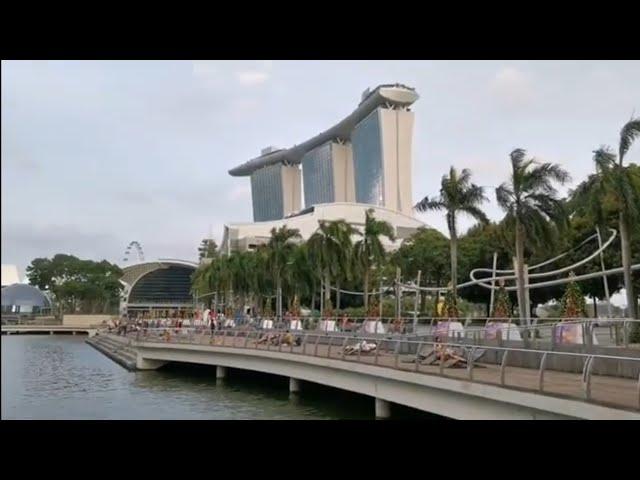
[(610, 391)]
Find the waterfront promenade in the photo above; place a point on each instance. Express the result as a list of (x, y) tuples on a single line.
[(493, 387)]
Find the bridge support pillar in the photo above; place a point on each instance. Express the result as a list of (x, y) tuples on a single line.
[(221, 372), (144, 364), (383, 409), (294, 385)]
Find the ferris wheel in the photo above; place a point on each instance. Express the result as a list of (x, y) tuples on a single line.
[(134, 248)]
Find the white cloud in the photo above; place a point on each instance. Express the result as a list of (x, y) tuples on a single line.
[(252, 78), (512, 87), (246, 73)]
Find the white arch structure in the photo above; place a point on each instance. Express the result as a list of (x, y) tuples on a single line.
[(132, 274)]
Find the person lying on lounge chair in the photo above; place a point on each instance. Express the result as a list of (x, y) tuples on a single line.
[(362, 347), (445, 354), (266, 338)]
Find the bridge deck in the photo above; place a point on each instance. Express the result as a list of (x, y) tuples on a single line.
[(616, 392)]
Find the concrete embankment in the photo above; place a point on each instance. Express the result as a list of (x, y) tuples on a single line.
[(116, 348)]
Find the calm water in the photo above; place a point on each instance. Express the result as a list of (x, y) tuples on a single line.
[(61, 377)]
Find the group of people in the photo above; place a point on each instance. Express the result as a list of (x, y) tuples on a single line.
[(286, 338)]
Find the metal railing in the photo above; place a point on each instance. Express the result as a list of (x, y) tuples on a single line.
[(611, 332), (603, 379)]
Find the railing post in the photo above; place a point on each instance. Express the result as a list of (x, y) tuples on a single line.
[(586, 378), (344, 344), (304, 344), (441, 365), (418, 350), (359, 350), (543, 362), (470, 363), (329, 349), (315, 351), (280, 343), (246, 339), (235, 336), (397, 354), (377, 350), (625, 334), (503, 366)]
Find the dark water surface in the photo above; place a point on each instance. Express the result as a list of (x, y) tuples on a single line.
[(61, 377)]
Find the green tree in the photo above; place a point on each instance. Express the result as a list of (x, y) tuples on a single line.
[(530, 201), (457, 196), (369, 250), (207, 249), (77, 285)]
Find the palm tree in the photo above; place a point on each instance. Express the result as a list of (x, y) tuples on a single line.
[(341, 252), (457, 195), (530, 201), (280, 247), (619, 186), (369, 250), (333, 249)]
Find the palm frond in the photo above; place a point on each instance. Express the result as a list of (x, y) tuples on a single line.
[(628, 134)]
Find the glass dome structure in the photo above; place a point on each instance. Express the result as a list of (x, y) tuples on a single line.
[(21, 298)]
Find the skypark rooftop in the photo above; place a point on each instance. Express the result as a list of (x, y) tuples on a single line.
[(392, 95)]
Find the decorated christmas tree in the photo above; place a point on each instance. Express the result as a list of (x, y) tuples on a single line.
[(266, 311), (450, 309), (573, 304), (295, 306), (374, 308), (328, 309), (502, 305)]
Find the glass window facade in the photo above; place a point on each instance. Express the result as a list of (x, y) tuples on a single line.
[(266, 194), (317, 169), (166, 285), (367, 160)]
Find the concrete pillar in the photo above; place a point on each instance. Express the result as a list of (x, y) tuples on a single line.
[(294, 385), (383, 409), (221, 372), (144, 364)]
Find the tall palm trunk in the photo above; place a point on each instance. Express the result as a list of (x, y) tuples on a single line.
[(278, 297), (366, 290), (454, 262), (625, 242), (327, 286), (522, 307), (337, 295)]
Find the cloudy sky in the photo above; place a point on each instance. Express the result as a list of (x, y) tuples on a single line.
[(97, 154)]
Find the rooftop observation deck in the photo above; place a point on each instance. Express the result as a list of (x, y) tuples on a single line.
[(396, 95)]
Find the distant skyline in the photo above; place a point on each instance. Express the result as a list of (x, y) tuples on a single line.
[(96, 154)]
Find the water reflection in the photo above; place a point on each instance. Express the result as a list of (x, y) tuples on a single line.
[(61, 377)]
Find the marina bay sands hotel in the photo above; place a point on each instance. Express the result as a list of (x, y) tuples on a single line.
[(362, 162)]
